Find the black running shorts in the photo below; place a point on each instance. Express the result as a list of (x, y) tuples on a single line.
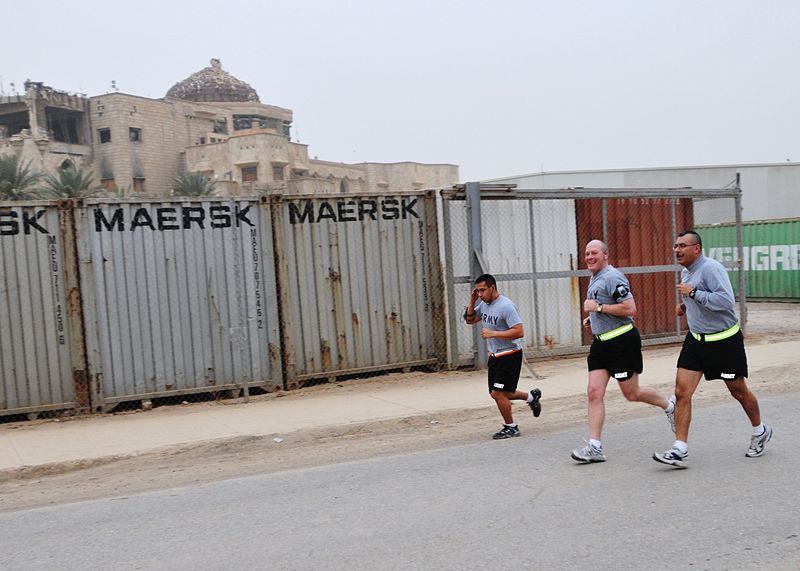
[(725, 359), (620, 356), (504, 372)]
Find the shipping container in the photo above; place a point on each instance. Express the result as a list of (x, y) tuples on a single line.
[(42, 362), (179, 297), (771, 256), (360, 286)]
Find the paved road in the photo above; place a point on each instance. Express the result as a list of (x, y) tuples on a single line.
[(515, 504)]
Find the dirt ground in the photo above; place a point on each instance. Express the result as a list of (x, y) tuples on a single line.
[(247, 456)]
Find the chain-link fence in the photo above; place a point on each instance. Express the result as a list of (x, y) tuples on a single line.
[(533, 241)]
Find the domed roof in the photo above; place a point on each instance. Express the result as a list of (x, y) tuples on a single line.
[(213, 84)]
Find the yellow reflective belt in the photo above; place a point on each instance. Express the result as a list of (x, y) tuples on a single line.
[(717, 336), (615, 332)]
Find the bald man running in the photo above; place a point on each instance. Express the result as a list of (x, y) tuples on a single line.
[(616, 350)]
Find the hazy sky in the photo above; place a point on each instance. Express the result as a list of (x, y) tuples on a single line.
[(498, 88)]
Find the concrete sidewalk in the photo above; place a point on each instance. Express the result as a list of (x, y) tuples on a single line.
[(24, 446)]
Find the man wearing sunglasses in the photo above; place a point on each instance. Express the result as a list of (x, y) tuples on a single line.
[(714, 346), (503, 331)]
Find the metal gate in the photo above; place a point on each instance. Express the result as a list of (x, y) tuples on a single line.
[(532, 242)]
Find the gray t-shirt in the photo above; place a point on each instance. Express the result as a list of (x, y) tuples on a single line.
[(499, 315), (712, 309), (608, 286)]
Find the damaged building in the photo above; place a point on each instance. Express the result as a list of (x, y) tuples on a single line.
[(210, 122)]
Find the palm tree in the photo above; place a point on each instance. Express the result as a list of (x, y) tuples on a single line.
[(71, 182), (193, 183), (16, 178)]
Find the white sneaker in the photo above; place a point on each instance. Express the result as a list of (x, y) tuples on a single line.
[(757, 443), (671, 415), (588, 454), (673, 457)]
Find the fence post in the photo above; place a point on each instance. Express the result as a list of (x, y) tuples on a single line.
[(435, 280), (677, 274), (740, 255), (473, 195)]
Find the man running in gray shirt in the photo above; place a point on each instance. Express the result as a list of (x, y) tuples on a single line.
[(503, 331), (616, 349), (714, 346)]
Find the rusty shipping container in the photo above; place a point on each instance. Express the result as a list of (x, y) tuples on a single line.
[(178, 297), (42, 362), (639, 233), (360, 286)]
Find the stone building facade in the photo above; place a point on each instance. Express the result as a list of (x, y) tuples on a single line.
[(210, 122)]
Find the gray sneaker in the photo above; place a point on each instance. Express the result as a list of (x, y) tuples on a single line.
[(673, 457), (671, 415), (757, 443), (588, 454)]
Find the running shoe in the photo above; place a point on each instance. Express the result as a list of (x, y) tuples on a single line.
[(588, 454), (757, 443), (506, 432), (673, 457), (535, 404), (671, 415)]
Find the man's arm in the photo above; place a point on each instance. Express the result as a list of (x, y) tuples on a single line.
[(625, 308), (721, 295), (510, 334), (470, 315)]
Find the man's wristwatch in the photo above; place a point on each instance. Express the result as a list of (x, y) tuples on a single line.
[(692, 293), (599, 308)]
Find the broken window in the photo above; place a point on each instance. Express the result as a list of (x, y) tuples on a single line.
[(261, 121), (138, 184), (250, 174), (221, 126), (135, 135), (277, 172), (104, 135), (13, 123), (108, 184), (240, 123), (67, 165), (64, 125)]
